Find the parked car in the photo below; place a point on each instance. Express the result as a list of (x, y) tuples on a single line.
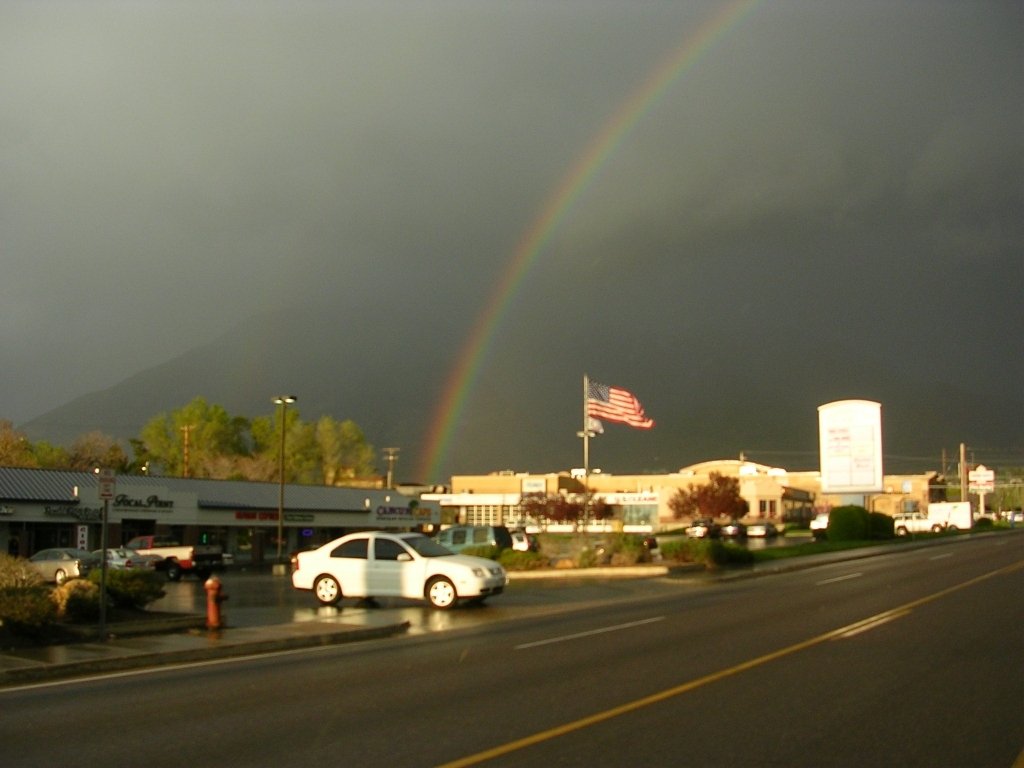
[(380, 564), (460, 537), (915, 522), (63, 563), (762, 529), (819, 525), (124, 559), (703, 529), (734, 529), (524, 542)]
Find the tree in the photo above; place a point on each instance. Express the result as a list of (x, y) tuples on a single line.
[(720, 497), (96, 450), (558, 508), (50, 456), (301, 459), (194, 440), (343, 451), (15, 449)]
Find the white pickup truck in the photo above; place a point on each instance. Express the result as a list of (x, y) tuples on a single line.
[(915, 522), (180, 559)]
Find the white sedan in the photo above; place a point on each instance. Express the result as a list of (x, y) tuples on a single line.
[(379, 564)]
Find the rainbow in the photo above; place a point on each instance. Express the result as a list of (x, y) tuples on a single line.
[(556, 207)]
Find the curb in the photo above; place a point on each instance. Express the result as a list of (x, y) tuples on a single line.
[(45, 672), (141, 627), (639, 571)]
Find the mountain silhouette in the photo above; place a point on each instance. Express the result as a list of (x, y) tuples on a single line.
[(711, 394)]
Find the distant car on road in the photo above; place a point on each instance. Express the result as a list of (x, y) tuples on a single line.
[(734, 529), (381, 564), (915, 522), (819, 525), (703, 529), (63, 563), (762, 529)]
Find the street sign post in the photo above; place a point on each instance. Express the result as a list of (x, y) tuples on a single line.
[(981, 479), (108, 484), (107, 488)]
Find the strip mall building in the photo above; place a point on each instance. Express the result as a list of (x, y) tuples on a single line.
[(640, 503), (42, 508), (50, 508)]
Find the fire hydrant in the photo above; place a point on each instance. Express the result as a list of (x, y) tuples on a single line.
[(214, 597)]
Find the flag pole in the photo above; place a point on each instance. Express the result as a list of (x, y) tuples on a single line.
[(586, 454)]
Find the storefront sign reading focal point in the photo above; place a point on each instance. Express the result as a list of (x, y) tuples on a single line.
[(150, 502)]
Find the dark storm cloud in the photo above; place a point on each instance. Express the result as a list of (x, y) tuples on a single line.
[(173, 168)]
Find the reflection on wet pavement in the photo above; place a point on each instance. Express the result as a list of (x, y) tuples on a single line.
[(260, 599)]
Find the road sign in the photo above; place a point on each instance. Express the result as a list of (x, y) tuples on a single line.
[(981, 480), (108, 484)]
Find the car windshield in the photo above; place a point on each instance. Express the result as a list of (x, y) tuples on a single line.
[(427, 547)]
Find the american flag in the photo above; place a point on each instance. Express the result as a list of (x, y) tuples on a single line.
[(615, 404)]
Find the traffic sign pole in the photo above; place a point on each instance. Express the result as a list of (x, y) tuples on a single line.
[(108, 484)]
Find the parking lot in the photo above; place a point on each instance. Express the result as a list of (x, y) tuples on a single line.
[(258, 598)]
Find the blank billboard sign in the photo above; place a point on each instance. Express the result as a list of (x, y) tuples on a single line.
[(850, 435)]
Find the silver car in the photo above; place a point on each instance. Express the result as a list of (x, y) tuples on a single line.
[(63, 563), (120, 558)]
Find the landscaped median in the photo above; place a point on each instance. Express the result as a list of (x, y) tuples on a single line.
[(35, 613)]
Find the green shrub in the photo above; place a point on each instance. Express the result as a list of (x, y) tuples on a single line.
[(881, 526), (514, 560), (683, 550), (628, 549), (490, 552), (18, 572), (849, 523), (589, 558), (709, 552), (736, 554), (77, 601), (27, 610), (983, 522), (131, 589)]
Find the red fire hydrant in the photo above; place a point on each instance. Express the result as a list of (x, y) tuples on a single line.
[(214, 597)]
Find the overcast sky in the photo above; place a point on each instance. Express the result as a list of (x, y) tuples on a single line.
[(168, 169)]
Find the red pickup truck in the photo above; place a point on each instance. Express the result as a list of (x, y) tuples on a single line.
[(180, 559)]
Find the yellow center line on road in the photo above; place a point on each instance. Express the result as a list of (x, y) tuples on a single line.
[(678, 690)]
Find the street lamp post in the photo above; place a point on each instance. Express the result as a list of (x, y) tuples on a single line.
[(283, 401)]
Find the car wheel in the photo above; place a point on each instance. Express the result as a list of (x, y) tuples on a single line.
[(901, 531), (60, 577), (327, 590), (936, 529), (441, 593), (173, 572)]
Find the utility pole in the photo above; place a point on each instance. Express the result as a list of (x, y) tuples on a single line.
[(963, 473), (186, 430), (391, 454)]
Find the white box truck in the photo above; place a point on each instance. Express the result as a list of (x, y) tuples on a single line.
[(952, 515)]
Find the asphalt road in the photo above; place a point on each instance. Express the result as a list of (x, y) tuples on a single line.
[(915, 658)]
